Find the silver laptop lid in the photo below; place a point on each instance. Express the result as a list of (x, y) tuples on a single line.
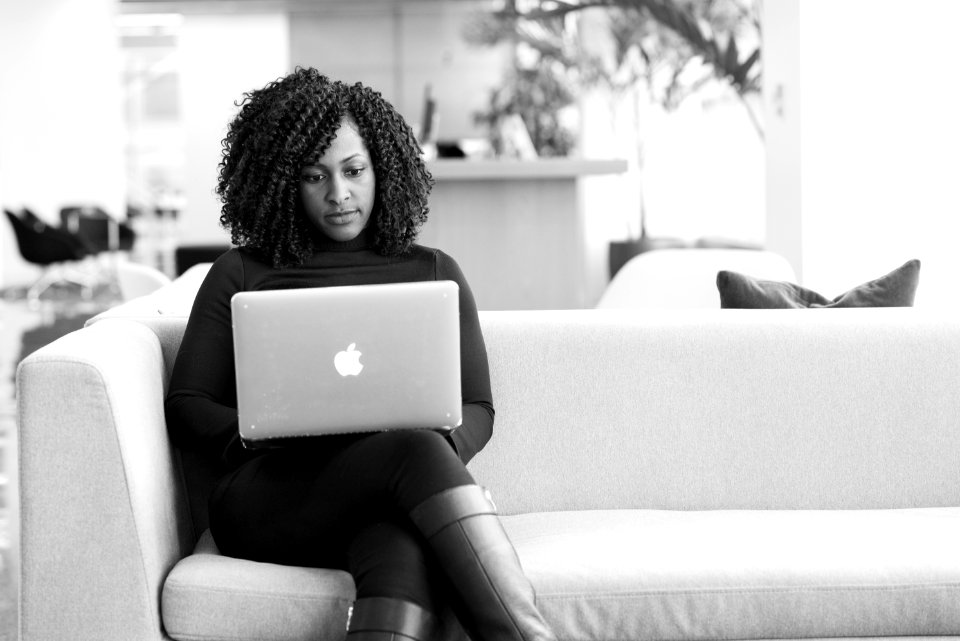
[(347, 359)]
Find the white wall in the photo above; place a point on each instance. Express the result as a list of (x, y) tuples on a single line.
[(704, 169), (222, 56), (398, 48), (877, 143), (781, 98), (61, 125)]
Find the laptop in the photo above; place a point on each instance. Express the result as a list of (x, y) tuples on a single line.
[(358, 358)]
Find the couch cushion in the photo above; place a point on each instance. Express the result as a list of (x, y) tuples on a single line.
[(896, 289), (609, 575), (614, 575), (208, 596)]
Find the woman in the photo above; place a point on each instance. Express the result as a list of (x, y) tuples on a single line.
[(323, 184)]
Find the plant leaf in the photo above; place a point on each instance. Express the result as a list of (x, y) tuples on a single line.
[(731, 60)]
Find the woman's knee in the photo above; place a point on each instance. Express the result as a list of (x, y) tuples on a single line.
[(413, 449), (425, 463), (418, 444)]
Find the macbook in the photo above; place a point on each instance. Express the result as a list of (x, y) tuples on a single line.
[(333, 360)]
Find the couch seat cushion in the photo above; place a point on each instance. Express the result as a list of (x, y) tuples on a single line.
[(615, 575), (645, 574), (212, 597)]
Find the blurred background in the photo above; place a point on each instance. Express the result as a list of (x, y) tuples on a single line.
[(825, 132)]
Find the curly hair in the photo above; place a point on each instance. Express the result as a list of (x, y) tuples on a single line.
[(278, 129)]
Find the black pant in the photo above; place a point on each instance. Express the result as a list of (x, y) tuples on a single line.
[(341, 502)]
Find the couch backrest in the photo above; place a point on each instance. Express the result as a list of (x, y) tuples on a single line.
[(723, 409), (717, 409)]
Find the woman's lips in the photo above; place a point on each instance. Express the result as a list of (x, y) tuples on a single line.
[(342, 217)]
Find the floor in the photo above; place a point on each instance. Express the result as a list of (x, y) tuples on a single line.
[(23, 329)]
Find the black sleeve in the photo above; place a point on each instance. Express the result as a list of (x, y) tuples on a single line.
[(202, 397), (477, 427)]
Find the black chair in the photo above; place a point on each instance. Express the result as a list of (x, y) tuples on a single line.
[(80, 244), (53, 249), (186, 256), (97, 228)]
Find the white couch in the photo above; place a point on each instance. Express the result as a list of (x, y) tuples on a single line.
[(669, 475)]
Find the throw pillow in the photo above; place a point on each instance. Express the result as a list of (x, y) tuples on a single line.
[(896, 289)]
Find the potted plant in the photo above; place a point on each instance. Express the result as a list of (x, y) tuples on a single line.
[(538, 95), (539, 90)]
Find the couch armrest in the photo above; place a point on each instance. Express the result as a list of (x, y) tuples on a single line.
[(103, 510)]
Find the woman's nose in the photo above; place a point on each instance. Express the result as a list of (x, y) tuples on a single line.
[(339, 191)]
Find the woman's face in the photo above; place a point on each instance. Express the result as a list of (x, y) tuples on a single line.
[(338, 190)]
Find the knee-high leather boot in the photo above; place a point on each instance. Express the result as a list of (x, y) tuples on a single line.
[(386, 619), (465, 534)]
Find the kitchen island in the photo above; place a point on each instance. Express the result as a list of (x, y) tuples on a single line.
[(516, 228)]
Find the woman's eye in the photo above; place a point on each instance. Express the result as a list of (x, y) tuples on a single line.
[(312, 178), (353, 172)]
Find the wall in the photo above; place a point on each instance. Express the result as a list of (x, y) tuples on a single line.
[(880, 139), (781, 98), (399, 48), (876, 136), (221, 57), (61, 125)]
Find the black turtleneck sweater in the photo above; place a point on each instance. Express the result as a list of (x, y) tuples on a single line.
[(201, 400)]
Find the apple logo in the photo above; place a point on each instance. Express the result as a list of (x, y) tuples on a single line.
[(348, 362)]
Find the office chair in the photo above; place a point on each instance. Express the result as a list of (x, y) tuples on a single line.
[(55, 251), (97, 228), (79, 243)]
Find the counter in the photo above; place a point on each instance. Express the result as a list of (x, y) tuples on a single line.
[(516, 228)]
